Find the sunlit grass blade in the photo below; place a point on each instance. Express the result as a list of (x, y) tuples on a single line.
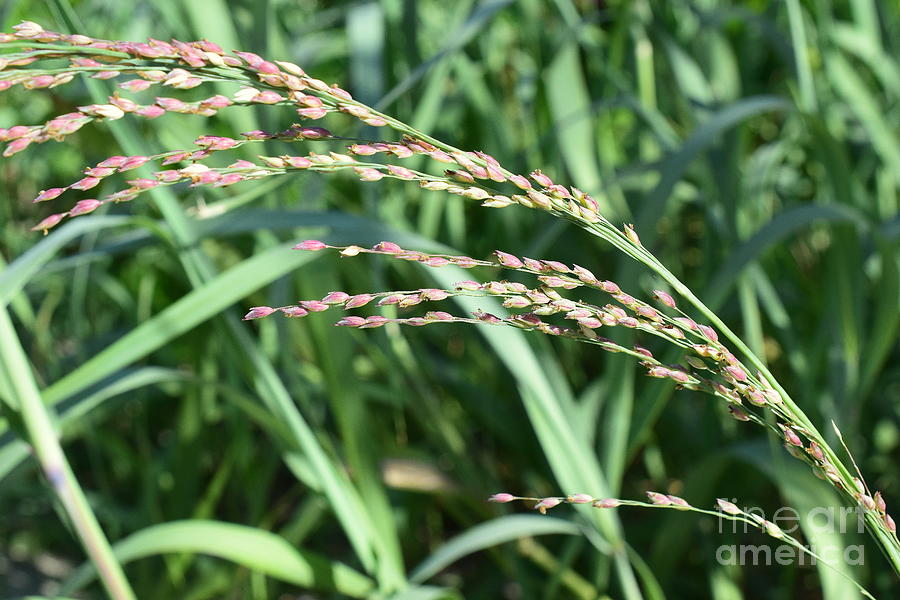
[(70, 413), (250, 547), (488, 534)]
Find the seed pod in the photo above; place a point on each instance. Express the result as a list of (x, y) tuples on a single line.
[(815, 451), (580, 499), (258, 311), (387, 247), (48, 223), (83, 207), (737, 413), (665, 298), (606, 503), (520, 182), (540, 178), (508, 260), (310, 245), (791, 437), (772, 529), (659, 499), (502, 498), (294, 311), (728, 507), (867, 501), (351, 321), (631, 234), (314, 306), (678, 503), (336, 298), (546, 503)]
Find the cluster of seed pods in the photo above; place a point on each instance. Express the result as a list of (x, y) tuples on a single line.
[(708, 365), (724, 508), (178, 65), (198, 173), (175, 64), (186, 65)]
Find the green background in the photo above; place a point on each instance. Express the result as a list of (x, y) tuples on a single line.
[(755, 146)]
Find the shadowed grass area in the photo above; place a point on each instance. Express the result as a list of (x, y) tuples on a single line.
[(753, 144)]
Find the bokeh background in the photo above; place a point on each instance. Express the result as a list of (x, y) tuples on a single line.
[(754, 144)]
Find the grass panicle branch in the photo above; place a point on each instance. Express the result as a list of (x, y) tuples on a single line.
[(725, 510), (715, 359)]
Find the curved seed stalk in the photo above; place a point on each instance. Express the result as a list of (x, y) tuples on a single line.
[(36, 59)]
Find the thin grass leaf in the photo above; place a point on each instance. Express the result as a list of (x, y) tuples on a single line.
[(674, 167), (253, 548), (488, 534)]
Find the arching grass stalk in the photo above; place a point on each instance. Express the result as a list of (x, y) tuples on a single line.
[(744, 383), (709, 366)]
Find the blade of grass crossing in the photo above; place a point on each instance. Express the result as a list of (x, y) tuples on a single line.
[(861, 101), (479, 17), (865, 13), (366, 33), (15, 275), (570, 104), (259, 550), (775, 231), (44, 440), (885, 320), (809, 497), (616, 419), (353, 417), (808, 99), (673, 168), (856, 42), (689, 76), (488, 534), (71, 413)]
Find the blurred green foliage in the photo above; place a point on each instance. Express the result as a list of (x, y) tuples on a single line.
[(754, 144)]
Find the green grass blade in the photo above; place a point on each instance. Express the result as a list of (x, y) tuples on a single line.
[(808, 98), (673, 168), (861, 101), (17, 274), (788, 222), (885, 321), (196, 307), (43, 439), (13, 452), (458, 38), (689, 75), (255, 549), (488, 534), (570, 103)]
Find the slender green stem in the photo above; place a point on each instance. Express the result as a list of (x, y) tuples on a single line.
[(888, 542), (739, 516), (51, 456), (43, 438), (63, 49)]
